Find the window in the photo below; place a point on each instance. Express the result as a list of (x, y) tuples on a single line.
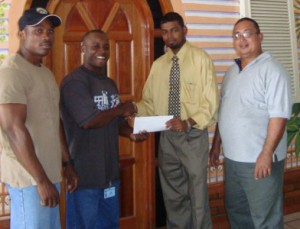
[(277, 22)]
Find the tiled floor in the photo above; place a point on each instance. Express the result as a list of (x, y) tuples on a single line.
[(292, 221)]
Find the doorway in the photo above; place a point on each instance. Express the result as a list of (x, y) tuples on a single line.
[(139, 189)]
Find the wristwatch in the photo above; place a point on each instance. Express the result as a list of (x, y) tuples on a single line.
[(189, 126)]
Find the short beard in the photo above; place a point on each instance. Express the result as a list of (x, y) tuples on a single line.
[(177, 46)]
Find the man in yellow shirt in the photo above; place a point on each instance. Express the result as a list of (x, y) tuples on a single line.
[(183, 149)]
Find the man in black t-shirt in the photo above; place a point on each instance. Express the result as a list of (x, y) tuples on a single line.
[(93, 118)]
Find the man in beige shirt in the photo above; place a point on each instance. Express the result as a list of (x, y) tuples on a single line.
[(30, 133)]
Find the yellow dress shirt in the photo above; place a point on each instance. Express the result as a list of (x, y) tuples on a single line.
[(199, 98)]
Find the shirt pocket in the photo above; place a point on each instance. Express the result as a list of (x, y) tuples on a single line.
[(189, 92)]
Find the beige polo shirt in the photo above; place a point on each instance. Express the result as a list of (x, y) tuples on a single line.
[(24, 83)]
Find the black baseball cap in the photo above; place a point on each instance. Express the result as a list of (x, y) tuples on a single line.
[(35, 16)]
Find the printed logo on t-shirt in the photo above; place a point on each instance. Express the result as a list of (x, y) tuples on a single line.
[(106, 101)]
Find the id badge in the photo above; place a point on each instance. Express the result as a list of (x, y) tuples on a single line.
[(109, 192)]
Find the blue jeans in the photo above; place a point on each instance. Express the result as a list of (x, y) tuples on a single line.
[(253, 203), (28, 213), (88, 209)]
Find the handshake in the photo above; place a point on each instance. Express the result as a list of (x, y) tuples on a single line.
[(127, 109)]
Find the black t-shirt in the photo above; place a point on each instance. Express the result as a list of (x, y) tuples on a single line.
[(95, 151)]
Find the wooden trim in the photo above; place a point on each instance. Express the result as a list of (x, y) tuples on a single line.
[(16, 10), (52, 4), (111, 15), (85, 16), (4, 224), (166, 6)]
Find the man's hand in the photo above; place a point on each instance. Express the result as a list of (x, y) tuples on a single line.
[(176, 124), (48, 193), (214, 154), (127, 109), (142, 136), (130, 120), (71, 178), (12, 121), (263, 166)]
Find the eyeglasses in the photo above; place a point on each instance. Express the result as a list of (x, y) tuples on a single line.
[(245, 34)]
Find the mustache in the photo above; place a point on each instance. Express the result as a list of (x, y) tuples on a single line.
[(48, 43)]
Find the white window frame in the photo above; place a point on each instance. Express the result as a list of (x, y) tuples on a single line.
[(276, 44)]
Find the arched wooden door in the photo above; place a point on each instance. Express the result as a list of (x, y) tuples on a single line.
[(129, 27)]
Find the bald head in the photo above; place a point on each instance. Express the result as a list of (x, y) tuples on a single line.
[(89, 33), (95, 49)]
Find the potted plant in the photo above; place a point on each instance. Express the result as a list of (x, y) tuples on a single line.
[(293, 128)]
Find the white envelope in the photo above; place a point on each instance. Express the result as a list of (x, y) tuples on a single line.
[(151, 123)]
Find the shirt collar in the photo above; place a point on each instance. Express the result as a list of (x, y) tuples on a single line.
[(181, 52), (258, 59), (94, 74)]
